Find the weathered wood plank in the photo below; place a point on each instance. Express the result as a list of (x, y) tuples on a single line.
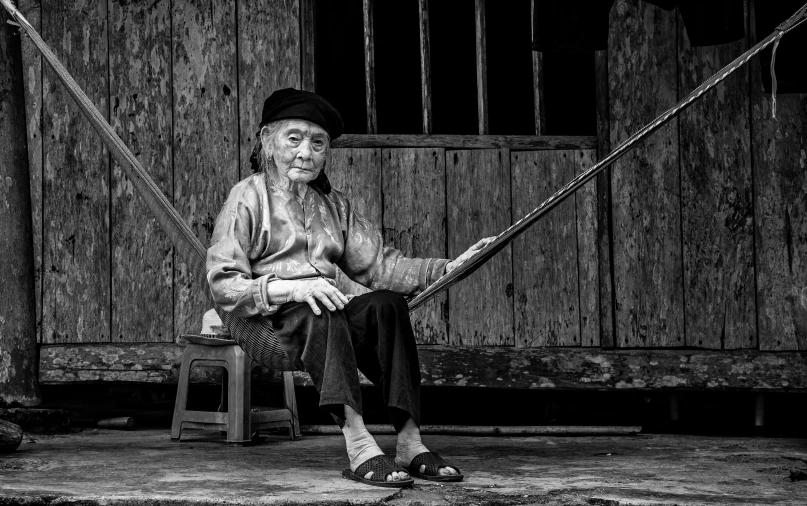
[(478, 203), (32, 79), (18, 350), (546, 294), (205, 133), (646, 205), (307, 34), (481, 67), (537, 81), (425, 66), (717, 200), (604, 224), (140, 93), (779, 157), (268, 60), (369, 67), (555, 368), (466, 141), (587, 251), (76, 258), (415, 222), (357, 174)]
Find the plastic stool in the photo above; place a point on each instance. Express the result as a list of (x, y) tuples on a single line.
[(240, 420)]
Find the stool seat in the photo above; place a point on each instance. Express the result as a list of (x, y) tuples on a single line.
[(241, 419)]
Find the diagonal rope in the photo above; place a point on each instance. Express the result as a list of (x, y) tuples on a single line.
[(584, 177), (255, 335)]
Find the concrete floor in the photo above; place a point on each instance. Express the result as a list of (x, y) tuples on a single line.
[(144, 467)]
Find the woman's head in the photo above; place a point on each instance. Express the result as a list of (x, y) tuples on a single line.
[(294, 139), (294, 148)]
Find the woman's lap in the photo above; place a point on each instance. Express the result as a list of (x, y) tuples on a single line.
[(373, 333)]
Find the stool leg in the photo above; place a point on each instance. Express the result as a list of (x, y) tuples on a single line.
[(290, 399), (239, 403), (182, 397)]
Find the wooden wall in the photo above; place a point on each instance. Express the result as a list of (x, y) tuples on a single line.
[(698, 238)]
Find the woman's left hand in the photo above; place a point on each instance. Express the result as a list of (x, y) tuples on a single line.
[(473, 250)]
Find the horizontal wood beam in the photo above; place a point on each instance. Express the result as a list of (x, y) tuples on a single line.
[(496, 367), (512, 142)]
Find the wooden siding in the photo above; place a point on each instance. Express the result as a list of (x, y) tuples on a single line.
[(645, 182), (663, 251), (141, 98), (75, 189), (717, 206)]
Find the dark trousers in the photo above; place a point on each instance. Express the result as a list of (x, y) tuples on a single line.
[(372, 334)]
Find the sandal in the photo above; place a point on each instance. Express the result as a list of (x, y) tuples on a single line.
[(433, 463), (381, 466)]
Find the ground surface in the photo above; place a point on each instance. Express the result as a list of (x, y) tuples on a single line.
[(145, 467)]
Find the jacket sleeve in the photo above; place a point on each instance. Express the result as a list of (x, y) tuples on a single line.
[(368, 262), (229, 271)]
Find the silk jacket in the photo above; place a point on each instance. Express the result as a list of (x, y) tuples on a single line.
[(264, 233)]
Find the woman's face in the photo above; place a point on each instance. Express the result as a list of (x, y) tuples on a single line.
[(299, 150)]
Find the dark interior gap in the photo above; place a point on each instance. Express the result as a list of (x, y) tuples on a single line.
[(397, 67), (339, 61)]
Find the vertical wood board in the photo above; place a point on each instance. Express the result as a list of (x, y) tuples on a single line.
[(545, 284), (140, 94), (415, 223), (32, 80), (717, 200), (587, 251), (779, 157), (205, 139), (645, 182), (604, 224), (76, 259), (268, 60), (478, 203), (357, 174)]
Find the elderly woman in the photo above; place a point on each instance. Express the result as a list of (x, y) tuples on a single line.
[(274, 252)]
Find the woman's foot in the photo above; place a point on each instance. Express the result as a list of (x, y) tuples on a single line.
[(361, 446), (410, 446)]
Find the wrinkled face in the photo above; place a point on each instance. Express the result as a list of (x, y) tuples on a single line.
[(299, 149)]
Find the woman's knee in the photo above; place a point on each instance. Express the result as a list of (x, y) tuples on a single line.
[(387, 299)]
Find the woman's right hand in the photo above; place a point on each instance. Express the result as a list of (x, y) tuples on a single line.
[(318, 289)]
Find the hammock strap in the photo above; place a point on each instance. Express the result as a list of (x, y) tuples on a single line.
[(255, 335), (503, 239)]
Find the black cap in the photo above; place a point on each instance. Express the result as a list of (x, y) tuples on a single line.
[(290, 103)]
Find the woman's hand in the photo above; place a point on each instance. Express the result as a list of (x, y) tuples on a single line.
[(314, 289), (450, 266)]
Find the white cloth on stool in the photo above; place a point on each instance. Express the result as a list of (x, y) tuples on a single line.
[(212, 324)]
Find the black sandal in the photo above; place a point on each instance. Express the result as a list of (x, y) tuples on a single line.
[(381, 466), (433, 463)]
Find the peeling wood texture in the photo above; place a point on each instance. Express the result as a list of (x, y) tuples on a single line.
[(546, 295), (604, 224), (717, 200), (18, 351), (76, 259), (466, 141), (268, 60), (779, 151), (140, 94), (415, 223), (425, 66), (205, 133), (645, 182), (357, 174), (536, 368), (32, 79), (587, 260), (478, 203), (307, 34)]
